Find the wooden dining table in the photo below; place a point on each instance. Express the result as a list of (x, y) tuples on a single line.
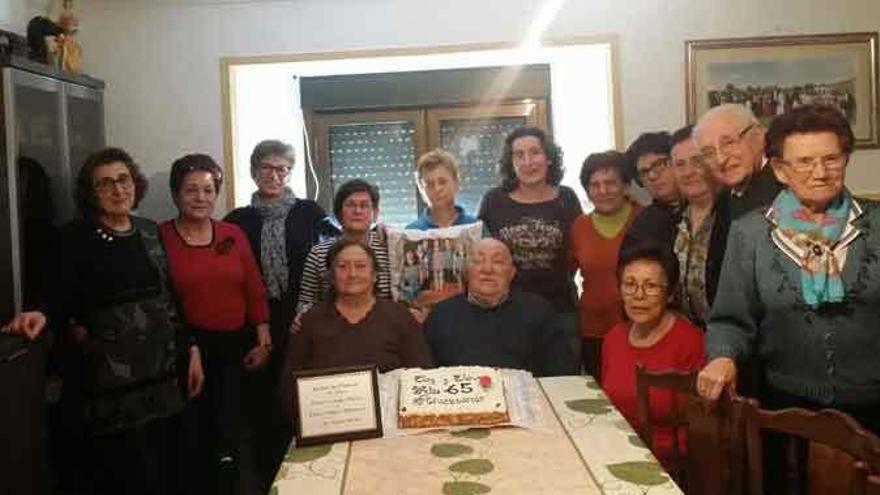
[(585, 446)]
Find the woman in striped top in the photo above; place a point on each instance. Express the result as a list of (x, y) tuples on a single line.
[(356, 205)]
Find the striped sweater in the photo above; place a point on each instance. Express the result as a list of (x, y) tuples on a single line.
[(315, 283)]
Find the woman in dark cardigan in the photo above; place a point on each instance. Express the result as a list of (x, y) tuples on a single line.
[(281, 229), (112, 282)]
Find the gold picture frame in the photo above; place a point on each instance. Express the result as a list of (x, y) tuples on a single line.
[(774, 74)]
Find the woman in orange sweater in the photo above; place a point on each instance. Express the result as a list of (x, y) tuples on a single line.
[(595, 244)]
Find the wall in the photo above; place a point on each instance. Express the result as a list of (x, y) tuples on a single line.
[(15, 14), (160, 58)]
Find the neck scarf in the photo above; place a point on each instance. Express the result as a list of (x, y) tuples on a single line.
[(812, 245), (273, 255)]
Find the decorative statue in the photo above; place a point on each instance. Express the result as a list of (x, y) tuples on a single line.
[(71, 52)]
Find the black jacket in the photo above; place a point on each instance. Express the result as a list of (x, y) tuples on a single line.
[(306, 225)]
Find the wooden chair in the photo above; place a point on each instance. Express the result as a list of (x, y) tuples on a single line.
[(713, 462), (842, 457)]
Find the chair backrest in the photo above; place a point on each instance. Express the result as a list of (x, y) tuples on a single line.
[(854, 458), (679, 381), (715, 462)]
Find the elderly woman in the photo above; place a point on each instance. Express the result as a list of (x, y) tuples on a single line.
[(437, 179), (112, 281), (532, 214), (595, 244), (222, 297), (800, 284), (281, 229), (354, 327), (654, 336), (701, 234)]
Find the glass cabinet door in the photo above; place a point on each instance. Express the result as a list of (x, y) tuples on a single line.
[(475, 136), (85, 130)]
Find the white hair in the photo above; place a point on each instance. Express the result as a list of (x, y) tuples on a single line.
[(739, 112)]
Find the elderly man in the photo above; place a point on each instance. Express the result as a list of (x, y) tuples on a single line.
[(647, 159), (731, 141), (492, 325)]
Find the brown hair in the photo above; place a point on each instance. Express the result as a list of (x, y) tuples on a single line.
[(188, 164), (86, 199)]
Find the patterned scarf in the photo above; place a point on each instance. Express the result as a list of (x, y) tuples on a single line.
[(812, 246), (273, 253)]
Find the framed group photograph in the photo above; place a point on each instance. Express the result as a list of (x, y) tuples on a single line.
[(773, 75), (336, 404)]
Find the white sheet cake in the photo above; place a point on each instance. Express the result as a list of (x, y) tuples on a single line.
[(459, 395)]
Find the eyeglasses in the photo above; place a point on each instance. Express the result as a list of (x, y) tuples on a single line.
[(363, 205), (654, 167), (806, 164), (108, 183), (273, 170), (631, 287), (726, 145)]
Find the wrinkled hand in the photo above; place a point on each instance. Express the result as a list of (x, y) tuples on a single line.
[(420, 313), (296, 324), (195, 378), (30, 324), (714, 376)]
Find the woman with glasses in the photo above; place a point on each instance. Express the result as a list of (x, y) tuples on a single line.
[(111, 298), (647, 161), (281, 229), (655, 336), (800, 286), (356, 206), (595, 244), (223, 300)]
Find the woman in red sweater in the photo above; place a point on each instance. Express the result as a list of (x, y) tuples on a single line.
[(654, 336), (221, 295), (595, 243)]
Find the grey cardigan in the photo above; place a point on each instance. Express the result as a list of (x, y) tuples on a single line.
[(830, 354)]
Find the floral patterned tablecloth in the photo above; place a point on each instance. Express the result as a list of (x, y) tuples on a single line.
[(589, 449)]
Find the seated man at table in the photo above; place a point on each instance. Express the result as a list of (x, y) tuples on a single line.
[(492, 325)]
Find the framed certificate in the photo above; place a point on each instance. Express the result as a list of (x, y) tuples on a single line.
[(336, 404)]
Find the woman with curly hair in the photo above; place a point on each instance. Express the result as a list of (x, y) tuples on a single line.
[(111, 281), (532, 214)]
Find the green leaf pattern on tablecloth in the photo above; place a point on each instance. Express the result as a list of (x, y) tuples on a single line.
[(475, 467), (465, 468), (472, 433), (643, 473), (464, 488), (445, 450), (592, 407), (301, 455)]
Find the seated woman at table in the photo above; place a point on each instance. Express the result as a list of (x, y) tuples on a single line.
[(800, 284), (654, 336), (437, 179), (354, 327)]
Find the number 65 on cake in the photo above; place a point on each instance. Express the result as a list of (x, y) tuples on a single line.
[(459, 395)]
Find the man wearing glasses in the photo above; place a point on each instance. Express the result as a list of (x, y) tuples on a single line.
[(731, 142), (648, 158)]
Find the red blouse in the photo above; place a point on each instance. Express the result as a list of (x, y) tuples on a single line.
[(681, 349), (219, 285)]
